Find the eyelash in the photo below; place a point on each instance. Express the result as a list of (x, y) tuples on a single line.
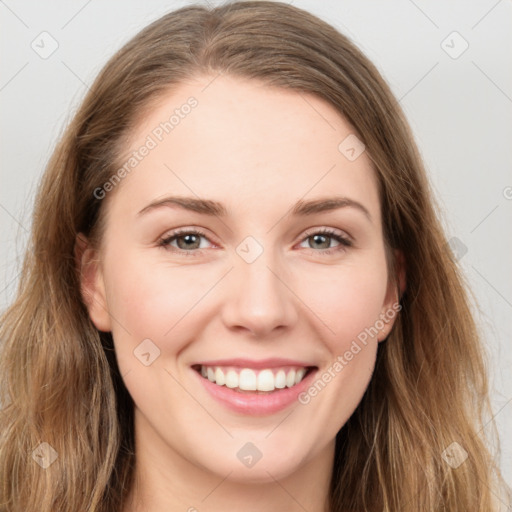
[(344, 241)]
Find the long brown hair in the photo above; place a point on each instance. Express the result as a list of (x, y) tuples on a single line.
[(60, 383)]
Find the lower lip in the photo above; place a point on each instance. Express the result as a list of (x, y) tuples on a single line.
[(255, 404)]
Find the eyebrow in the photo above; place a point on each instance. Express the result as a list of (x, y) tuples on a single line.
[(214, 208)]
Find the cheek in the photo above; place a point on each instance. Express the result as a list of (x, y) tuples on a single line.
[(157, 300), (152, 301), (346, 300)]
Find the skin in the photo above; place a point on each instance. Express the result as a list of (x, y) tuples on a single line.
[(258, 150)]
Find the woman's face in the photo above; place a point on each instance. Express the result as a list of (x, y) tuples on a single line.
[(259, 293)]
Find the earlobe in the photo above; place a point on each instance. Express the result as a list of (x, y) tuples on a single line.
[(92, 287)]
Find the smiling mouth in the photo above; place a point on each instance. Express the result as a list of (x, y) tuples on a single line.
[(254, 381)]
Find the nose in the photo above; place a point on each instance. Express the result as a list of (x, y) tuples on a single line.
[(259, 298)]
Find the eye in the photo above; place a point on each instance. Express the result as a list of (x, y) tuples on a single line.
[(189, 241), (319, 236)]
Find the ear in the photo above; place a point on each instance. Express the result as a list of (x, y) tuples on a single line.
[(92, 286), (396, 288)]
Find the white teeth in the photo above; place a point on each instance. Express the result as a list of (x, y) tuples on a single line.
[(247, 379), (232, 379), (219, 377), (280, 380), (266, 380), (299, 375), (290, 378)]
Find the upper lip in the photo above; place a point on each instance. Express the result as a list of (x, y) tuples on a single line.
[(251, 363)]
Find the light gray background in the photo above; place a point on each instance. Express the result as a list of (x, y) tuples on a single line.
[(459, 109)]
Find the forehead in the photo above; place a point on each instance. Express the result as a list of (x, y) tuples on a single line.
[(246, 144)]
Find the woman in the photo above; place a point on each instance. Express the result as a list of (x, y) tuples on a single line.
[(256, 370)]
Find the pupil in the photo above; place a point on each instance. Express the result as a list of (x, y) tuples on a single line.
[(187, 239), (315, 237)]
